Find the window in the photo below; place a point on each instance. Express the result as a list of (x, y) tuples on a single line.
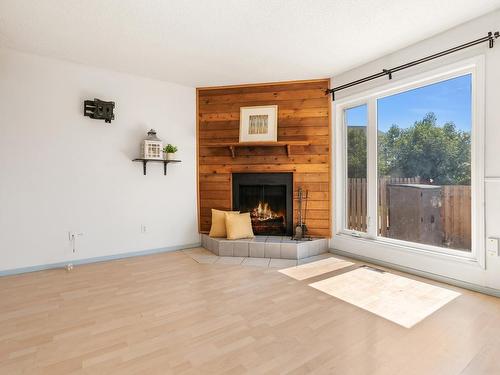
[(356, 122), (424, 164), (409, 170)]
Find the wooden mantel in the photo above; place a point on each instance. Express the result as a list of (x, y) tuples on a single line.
[(234, 145)]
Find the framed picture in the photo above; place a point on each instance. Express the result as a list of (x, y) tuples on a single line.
[(259, 124)]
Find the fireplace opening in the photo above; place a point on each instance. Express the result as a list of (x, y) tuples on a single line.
[(268, 199)]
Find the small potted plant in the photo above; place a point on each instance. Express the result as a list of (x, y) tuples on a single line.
[(170, 151)]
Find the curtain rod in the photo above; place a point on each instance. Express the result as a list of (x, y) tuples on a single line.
[(388, 72)]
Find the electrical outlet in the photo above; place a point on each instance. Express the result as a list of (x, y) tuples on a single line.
[(144, 229), (492, 246), (73, 235)]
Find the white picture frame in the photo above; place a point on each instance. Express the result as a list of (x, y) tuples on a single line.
[(259, 123)]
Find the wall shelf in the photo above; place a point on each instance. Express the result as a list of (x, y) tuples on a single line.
[(233, 146), (146, 161)]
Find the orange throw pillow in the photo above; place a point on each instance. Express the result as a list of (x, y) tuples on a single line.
[(218, 228), (238, 226)]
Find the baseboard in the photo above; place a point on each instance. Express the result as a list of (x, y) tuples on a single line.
[(428, 275), (104, 258)]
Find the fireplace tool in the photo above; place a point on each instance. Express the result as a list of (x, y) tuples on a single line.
[(301, 228)]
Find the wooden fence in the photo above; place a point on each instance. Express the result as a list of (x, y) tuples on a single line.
[(456, 216), (455, 209)]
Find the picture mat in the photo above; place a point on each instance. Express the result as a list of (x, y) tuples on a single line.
[(259, 124)]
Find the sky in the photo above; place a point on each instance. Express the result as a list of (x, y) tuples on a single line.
[(450, 100)]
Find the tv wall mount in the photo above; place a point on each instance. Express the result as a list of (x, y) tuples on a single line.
[(99, 110)]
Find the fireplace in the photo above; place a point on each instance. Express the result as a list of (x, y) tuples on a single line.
[(268, 198)]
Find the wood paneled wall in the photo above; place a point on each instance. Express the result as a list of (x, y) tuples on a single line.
[(303, 115)]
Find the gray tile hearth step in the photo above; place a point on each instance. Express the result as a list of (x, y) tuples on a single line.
[(277, 247)]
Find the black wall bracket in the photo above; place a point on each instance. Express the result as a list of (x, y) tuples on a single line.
[(146, 161), (492, 38), (99, 110)]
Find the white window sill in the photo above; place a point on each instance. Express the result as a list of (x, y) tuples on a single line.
[(466, 259)]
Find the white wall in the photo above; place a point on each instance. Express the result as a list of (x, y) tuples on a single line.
[(61, 171), (490, 277)]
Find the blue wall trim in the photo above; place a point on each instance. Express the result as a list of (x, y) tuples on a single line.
[(76, 262)]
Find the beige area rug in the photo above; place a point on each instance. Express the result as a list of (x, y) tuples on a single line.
[(399, 299), (308, 270)]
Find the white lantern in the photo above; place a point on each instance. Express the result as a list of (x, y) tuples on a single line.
[(152, 146)]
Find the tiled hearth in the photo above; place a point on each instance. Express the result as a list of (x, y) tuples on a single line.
[(265, 247)]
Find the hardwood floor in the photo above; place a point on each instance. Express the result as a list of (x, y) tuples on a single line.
[(169, 314)]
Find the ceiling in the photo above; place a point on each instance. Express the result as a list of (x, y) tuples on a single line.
[(219, 42)]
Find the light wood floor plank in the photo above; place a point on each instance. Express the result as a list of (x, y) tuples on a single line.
[(170, 314)]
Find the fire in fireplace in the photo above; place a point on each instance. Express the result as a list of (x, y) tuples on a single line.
[(268, 198), (264, 212), (267, 207)]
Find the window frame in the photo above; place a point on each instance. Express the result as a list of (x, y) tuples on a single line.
[(473, 66)]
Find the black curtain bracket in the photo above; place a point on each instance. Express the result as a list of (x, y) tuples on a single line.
[(490, 38)]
